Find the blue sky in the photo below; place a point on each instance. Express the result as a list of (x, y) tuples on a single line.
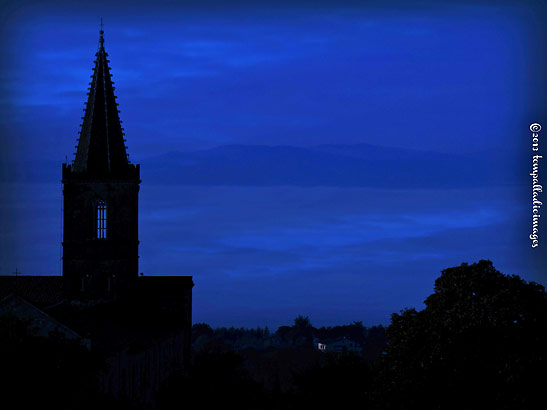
[(431, 102)]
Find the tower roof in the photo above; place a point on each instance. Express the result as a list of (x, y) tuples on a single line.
[(101, 147)]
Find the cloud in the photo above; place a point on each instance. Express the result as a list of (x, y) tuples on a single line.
[(445, 78)]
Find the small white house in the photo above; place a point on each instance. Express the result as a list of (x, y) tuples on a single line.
[(339, 345), (322, 346)]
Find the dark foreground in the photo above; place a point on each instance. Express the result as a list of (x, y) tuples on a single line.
[(481, 341)]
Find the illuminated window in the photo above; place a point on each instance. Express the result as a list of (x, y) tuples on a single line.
[(101, 220)]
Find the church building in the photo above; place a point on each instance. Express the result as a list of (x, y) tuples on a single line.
[(140, 324)]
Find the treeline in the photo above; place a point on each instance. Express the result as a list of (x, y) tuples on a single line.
[(272, 362), (301, 335), (480, 342)]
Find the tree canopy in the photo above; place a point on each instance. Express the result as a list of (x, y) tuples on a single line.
[(480, 339)]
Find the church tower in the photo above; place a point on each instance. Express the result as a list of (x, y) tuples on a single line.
[(100, 190)]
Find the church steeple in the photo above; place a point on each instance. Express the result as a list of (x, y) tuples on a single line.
[(101, 147), (100, 190)]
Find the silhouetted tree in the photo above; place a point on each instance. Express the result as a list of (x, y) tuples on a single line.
[(300, 335), (375, 343), (354, 331), (480, 341), (302, 322), (200, 329)]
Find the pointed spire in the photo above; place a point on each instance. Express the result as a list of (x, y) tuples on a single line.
[(101, 148), (101, 32)]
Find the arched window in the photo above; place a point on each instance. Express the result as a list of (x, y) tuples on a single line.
[(101, 220)]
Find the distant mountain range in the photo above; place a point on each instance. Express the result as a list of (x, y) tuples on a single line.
[(359, 165)]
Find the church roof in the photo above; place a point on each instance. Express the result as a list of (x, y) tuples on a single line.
[(41, 291), (153, 309), (101, 149)]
